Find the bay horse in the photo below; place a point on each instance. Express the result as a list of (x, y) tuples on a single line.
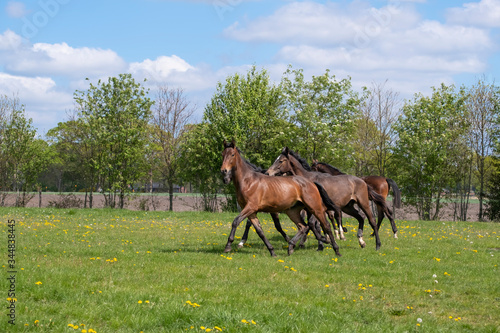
[(380, 184), (344, 191), (256, 192), (276, 220)]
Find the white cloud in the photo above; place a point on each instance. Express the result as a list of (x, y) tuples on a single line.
[(392, 42), (173, 71), (485, 13), (61, 59), (44, 103), (10, 41), (323, 24), (16, 9)]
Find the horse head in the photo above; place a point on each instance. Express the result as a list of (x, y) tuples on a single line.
[(228, 161), (281, 165)]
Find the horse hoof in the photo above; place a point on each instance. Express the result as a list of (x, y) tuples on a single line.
[(338, 254), (240, 245), (227, 249), (363, 245), (396, 235), (273, 254), (320, 248), (290, 250)]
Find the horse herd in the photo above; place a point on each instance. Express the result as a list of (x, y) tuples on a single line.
[(319, 191)]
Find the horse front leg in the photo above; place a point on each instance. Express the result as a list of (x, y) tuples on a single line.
[(245, 234), (236, 222), (277, 225)]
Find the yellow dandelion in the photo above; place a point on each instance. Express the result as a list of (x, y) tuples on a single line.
[(38, 283), (140, 302)]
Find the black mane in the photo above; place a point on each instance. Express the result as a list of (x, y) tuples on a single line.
[(301, 160), (253, 166)]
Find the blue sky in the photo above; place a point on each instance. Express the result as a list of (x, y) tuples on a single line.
[(49, 47)]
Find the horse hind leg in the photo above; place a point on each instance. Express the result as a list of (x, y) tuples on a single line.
[(381, 211), (337, 216), (277, 225), (315, 227), (260, 232), (349, 209), (365, 207)]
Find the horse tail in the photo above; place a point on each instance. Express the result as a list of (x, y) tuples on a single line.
[(326, 199), (396, 201), (375, 197)]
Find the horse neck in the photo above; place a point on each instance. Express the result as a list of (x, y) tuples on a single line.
[(332, 171), (242, 171)]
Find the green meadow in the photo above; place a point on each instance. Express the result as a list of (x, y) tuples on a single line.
[(126, 271)]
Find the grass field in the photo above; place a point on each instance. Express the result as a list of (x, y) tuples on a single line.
[(129, 271)]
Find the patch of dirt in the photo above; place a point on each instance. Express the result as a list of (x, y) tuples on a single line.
[(194, 203)]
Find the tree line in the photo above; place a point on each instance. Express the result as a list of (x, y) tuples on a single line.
[(121, 138)]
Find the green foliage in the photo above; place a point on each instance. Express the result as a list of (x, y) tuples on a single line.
[(428, 131), (493, 193), (247, 109), (23, 157), (132, 271), (323, 112), (114, 119)]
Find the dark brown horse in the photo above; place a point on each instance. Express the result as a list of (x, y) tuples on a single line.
[(344, 191), (381, 185), (256, 192)]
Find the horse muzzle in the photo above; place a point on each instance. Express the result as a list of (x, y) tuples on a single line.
[(227, 176)]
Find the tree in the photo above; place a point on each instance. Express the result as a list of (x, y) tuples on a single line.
[(483, 105), (23, 156), (492, 210), (428, 130), (374, 131), (323, 112), (247, 109), (114, 116), (170, 118), (75, 149)]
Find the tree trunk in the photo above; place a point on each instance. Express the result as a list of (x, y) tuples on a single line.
[(171, 195)]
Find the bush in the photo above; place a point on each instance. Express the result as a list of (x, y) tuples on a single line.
[(67, 201)]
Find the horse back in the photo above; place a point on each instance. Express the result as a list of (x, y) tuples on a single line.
[(276, 194)]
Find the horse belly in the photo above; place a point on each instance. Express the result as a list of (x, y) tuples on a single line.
[(278, 199)]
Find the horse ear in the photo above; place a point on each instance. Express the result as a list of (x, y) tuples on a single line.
[(315, 160), (285, 151), (233, 143), (229, 144)]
